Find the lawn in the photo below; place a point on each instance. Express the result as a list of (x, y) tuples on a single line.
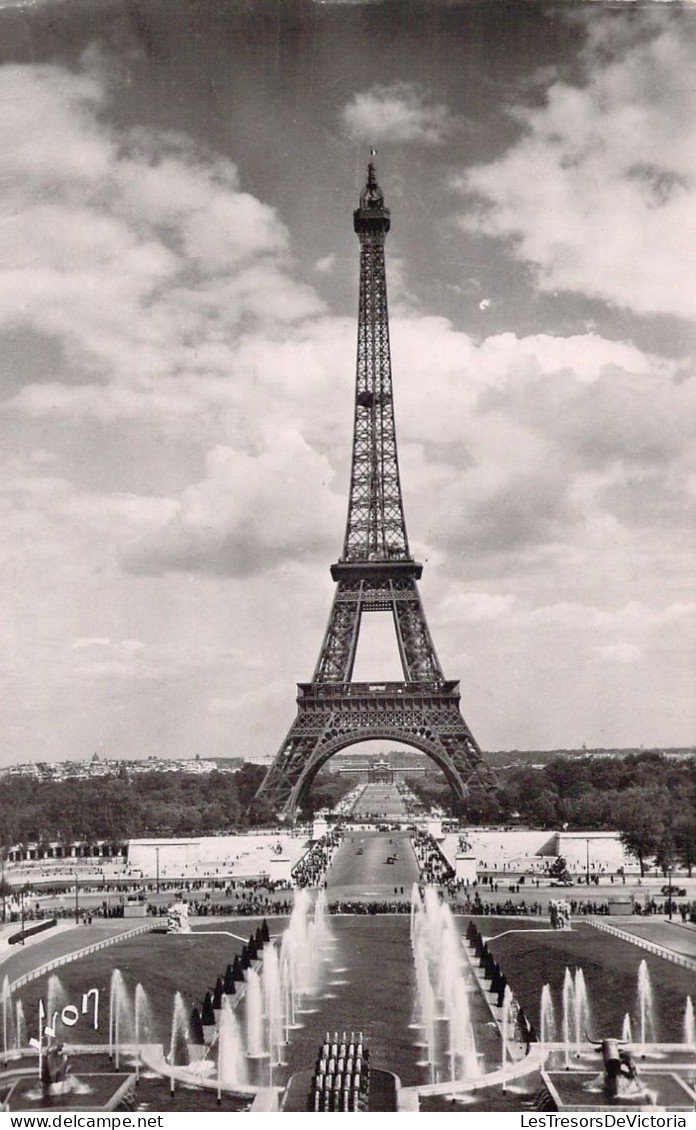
[(610, 968)]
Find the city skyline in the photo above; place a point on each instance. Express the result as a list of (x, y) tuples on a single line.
[(178, 314)]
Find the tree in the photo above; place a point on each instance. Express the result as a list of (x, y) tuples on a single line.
[(641, 824), (559, 871), (543, 810), (665, 851), (261, 812), (685, 841)]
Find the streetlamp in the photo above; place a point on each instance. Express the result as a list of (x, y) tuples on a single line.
[(21, 912), (587, 844), (669, 891), (157, 851), (2, 883), (77, 901)]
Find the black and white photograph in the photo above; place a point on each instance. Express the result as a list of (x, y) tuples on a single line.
[(347, 647)]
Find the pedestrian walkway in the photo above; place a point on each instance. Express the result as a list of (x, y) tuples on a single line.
[(10, 928), (660, 938), (20, 960), (670, 935)]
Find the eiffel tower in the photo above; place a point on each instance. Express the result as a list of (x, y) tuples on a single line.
[(376, 573)]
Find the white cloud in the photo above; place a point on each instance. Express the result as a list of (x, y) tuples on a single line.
[(477, 607), (249, 514), (599, 192), (546, 475), (397, 114), (135, 250)]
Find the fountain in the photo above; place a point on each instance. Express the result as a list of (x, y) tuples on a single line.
[(56, 999), (273, 1000), (581, 1008), (568, 1013), (505, 1027), (442, 985), (619, 1084), (301, 947), (6, 1016), (276, 977), (20, 1026), (689, 1029), (645, 1003), (253, 1007), (231, 1068), (547, 1019), (143, 1022), (426, 999), (179, 1036), (120, 1014)]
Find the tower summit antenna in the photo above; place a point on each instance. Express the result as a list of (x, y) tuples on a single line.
[(375, 573)]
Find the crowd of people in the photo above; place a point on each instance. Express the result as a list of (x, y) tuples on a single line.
[(259, 898), (255, 905), (382, 906), (311, 869), (259, 902), (432, 865)]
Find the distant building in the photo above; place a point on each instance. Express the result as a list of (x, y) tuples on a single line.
[(97, 767), (392, 766), (34, 851), (381, 772)]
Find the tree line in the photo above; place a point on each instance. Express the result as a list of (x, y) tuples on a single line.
[(114, 809)]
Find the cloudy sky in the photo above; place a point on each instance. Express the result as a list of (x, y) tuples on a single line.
[(177, 312)]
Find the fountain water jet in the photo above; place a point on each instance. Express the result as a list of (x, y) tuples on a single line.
[(581, 1008), (464, 1059), (231, 1066), (253, 1007), (21, 1027), (56, 999), (626, 1032), (568, 1012), (505, 1027), (120, 1016), (273, 1000), (689, 1028), (301, 958), (6, 1014), (179, 1036), (645, 1003), (547, 1019), (143, 1022), (442, 985), (426, 1000)]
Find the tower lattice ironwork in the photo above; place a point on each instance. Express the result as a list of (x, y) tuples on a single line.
[(376, 573)]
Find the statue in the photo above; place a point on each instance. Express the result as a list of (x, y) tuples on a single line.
[(559, 912), (56, 1077), (620, 1078), (464, 846), (178, 918)]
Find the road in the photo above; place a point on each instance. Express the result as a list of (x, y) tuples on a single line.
[(360, 869)]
